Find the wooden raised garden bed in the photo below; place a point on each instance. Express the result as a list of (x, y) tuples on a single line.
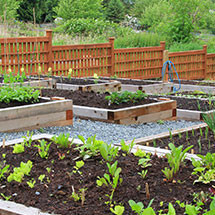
[(131, 115), (200, 136), (191, 105), (88, 85), (51, 113), (47, 83), (90, 105), (54, 192)]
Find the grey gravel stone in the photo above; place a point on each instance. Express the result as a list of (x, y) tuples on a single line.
[(110, 133)]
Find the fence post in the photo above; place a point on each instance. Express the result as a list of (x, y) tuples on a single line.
[(205, 61), (165, 58), (49, 35), (111, 61)]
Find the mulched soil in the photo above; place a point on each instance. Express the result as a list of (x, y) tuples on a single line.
[(54, 193), (76, 81), (197, 82), (16, 103), (202, 142), (191, 103), (91, 99)]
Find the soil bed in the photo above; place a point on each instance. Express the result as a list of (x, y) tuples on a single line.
[(201, 144), (54, 193), (132, 81), (191, 103), (196, 82), (91, 99), (16, 103), (77, 81), (194, 94)]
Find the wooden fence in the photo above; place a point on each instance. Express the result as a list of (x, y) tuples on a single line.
[(35, 53)]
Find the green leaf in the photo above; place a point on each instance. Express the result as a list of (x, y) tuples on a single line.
[(171, 210), (148, 211)]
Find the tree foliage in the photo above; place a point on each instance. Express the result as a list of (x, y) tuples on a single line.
[(43, 10), (115, 11), (75, 9), (8, 9)]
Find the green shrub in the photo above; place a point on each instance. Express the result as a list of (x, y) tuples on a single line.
[(86, 26)]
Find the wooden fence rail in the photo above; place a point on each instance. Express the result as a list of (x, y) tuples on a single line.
[(32, 53)]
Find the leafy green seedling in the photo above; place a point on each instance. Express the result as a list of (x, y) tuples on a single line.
[(63, 140), (3, 171), (19, 172), (31, 183), (27, 140), (7, 198), (127, 147), (18, 148), (41, 178), (78, 165), (108, 152), (118, 210), (48, 169), (43, 148)]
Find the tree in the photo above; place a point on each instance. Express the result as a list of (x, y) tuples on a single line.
[(43, 10), (8, 9), (72, 9), (115, 11)]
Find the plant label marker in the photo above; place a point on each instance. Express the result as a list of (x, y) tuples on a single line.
[(147, 191), (3, 143)]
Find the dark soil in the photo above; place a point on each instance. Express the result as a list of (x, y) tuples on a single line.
[(76, 81), (191, 103), (91, 99), (197, 82), (16, 103), (201, 144), (54, 193), (132, 81)]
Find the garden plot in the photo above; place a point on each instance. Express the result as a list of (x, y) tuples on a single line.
[(192, 105), (87, 84), (80, 188), (147, 86), (199, 136), (33, 82), (31, 116), (205, 86), (120, 108)]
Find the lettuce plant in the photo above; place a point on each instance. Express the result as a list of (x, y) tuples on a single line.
[(18, 148), (19, 172)]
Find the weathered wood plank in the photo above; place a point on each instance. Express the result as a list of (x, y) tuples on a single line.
[(141, 110), (35, 109)]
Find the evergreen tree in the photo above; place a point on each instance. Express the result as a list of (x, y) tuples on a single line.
[(115, 11), (43, 10)]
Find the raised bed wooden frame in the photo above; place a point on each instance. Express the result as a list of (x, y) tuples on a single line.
[(34, 83), (130, 115), (51, 113), (110, 86)]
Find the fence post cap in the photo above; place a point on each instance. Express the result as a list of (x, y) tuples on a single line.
[(111, 38)]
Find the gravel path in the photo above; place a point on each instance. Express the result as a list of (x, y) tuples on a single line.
[(106, 131)]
